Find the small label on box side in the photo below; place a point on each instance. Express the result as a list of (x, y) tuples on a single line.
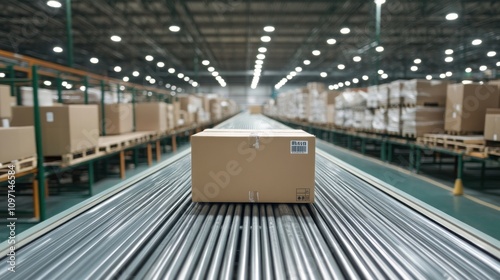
[(298, 147), (494, 137), (303, 194), (50, 117)]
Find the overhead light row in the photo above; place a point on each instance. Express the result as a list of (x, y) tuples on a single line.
[(288, 77), (260, 57), (211, 69)]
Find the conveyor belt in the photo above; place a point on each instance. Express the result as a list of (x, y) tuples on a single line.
[(152, 230)]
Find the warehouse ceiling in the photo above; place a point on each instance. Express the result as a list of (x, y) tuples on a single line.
[(229, 33)]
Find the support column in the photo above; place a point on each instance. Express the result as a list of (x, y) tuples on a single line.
[(122, 164), (39, 147), (91, 177), (458, 189), (69, 33), (149, 154)]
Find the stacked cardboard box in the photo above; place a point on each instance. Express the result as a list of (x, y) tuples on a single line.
[(319, 104), (466, 106), (151, 116), (65, 129), (372, 97), (330, 114), (5, 106), (170, 116), (21, 142), (215, 109), (118, 118), (424, 93), (492, 125), (255, 109), (421, 120)]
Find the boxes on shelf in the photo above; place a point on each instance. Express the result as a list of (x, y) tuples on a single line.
[(177, 113), (255, 109), (184, 118), (190, 103), (215, 109), (270, 166), (372, 97), (5, 102), (151, 116), (66, 129), (330, 114), (20, 141), (358, 118), (492, 125), (46, 97), (315, 86), (466, 106), (395, 92), (424, 93), (421, 120), (119, 118)]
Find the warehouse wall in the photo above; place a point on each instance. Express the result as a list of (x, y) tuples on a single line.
[(243, 95)]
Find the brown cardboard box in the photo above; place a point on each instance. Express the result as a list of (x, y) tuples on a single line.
[(190, 103), (215, 109), (319, 87), (177, 113), (466, 106), (65, 129), (492, 125), (425, 93), (330, 114), (17, 143), (151, 116), (5, 100), (255, 109), (272, 166), (170, 116), (119, 118), (184, 118)]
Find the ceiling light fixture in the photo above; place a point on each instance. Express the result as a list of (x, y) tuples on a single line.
[(160, 64), (215, 73), (380, 72), (491, 54), (483, 68), (331, 41), (428, 77), (94, 60), (265, 39), (414, 68), (379, 2), (186, 79), (365, 77), (448, 59), (117, 69), (262, 50), (148, 78), (126, 79), (347, 83), (442, 75), (379, 49), (476, 42), (448, 52), (449, 74), (174, 28), (341, 66), (180, 75), (355, 80), (54, 4), (57, 49), (345, 30), (316, 52), (307, 62), (116, 38), (149, 57), (323, 74), (384, 76), (135, 73), (451, 16), (47, 83), (269, 28), (417, 61), (205, 62), (261, 56), (468, 70), (356, 58), (298, 69), (171, 70)]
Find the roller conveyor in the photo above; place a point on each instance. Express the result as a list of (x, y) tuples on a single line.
[(151, 230)]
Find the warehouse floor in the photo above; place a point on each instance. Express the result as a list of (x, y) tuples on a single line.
[(436, 192)]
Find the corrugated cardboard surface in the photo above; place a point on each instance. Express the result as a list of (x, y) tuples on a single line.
[(151, 116), (492, 125), (65, 129), (425, 93), (17, 143), (255, 109), (252, 166), (5, 99), (119, 118), (466, 106)]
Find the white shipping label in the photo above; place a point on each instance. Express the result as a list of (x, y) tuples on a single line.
[(299, 147), (5, 123), (454, 115), (50, 117), (457, 107), (494, 137)]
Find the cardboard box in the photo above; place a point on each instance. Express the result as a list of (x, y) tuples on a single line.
[(119, 118), (466, 106), (65, 129), (492, 125), (215, 109), (330, 114), (395, 92), (151, 116), (190, 103), (5, 100), (255, 109), (425, 93), (184, 118), (20, 141), (271, 166), (170, 116)]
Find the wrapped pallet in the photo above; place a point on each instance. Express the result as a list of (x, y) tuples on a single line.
[(379, 123), (330, 114), (420, 120), (368, 120), (395, 93), (358, 119), (348, 118), (46, 97), (424, 93), (372, 97), (383, 95), (394, 121), (339, 117)]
